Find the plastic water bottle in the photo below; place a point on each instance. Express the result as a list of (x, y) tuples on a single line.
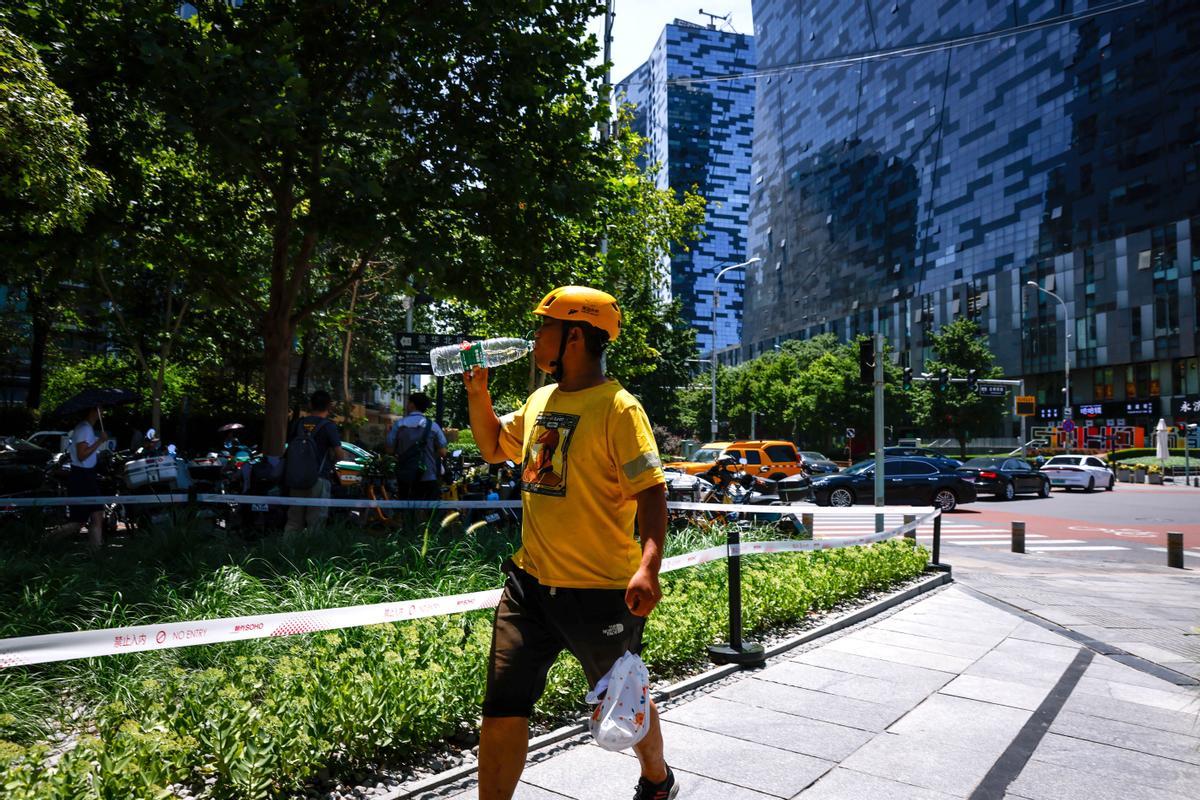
[(456, 359)]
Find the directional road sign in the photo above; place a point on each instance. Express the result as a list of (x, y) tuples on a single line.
[(412, 350), (992, 390)]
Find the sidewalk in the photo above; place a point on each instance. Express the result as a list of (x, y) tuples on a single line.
[(950, 696)]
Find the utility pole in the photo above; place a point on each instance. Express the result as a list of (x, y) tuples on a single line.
[(606, 92), (877, 340)]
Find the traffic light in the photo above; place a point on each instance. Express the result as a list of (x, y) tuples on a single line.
[(943, 379), (907, 378), (866, 361), (972, 381)]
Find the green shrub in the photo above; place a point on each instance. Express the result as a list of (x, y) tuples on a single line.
[(261, 718), (1139, 452)]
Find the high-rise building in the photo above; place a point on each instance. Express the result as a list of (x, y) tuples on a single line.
[(919, 162), (700, 131)]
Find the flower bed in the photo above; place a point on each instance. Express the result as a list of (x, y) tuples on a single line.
[(260, 719)]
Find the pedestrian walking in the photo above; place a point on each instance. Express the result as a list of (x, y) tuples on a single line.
[(580, 581), (419, 444), (82, 482), (314, 446)]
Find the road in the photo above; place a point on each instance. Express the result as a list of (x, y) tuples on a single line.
[(1128, 524)]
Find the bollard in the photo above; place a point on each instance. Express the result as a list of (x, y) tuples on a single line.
[(1175, 549), (747, 654), (879, 523), (807, 521), (937, 540), (913, 533), (1018, 537)]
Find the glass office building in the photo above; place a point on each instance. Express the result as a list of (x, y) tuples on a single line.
[(701, 134), (919, 162)]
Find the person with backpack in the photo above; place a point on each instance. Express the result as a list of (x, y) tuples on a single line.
[(418, 444), (314, 446)]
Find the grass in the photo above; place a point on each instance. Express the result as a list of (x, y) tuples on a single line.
[(259, 719)]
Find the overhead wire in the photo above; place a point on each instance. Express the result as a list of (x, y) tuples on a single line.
[(939, 45)]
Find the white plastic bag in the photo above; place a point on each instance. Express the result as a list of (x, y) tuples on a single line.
[(622, 699)]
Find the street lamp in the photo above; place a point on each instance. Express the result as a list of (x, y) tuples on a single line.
[(716, 288), (1066, 352)]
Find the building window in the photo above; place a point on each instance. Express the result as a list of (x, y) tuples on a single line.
[(1102, 382), (1135, 322), (1141, 380), (1187, 376)]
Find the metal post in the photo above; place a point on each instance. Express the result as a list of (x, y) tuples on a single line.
[(937, 538), (913, 533), (807, 521), (752, 421), (879, 523), (877, 343), (1024, 453), (713, 419), (440, 413), (1187, 455), (716, 288), (737, 652), (1018, 537), (1175, 549)]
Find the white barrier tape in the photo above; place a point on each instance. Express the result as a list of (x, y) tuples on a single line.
[(92, 500), (249, 499), (49, 647), (45, 648)]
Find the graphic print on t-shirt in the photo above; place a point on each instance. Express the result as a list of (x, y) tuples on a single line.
[(545, 467)]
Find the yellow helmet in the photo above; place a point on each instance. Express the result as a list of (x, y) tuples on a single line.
[(583, 304)]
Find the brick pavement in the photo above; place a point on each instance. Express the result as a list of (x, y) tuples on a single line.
[(949, 697)]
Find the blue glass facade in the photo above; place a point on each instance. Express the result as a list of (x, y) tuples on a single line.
[(900, 193), (701, 134)]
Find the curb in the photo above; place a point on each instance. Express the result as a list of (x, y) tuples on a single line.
[(929, 583)]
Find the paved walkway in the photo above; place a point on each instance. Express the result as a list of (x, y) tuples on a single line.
[(1151, 612), (949, 697)]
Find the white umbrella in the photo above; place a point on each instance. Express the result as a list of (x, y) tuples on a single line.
[(1162, 452)]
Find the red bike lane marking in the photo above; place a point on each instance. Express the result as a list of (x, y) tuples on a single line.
[(1147, 533)]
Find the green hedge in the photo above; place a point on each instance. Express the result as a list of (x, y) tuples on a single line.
[(260, 719), (1140, 452)]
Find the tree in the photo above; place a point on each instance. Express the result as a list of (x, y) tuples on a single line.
[(46, 184), (445, 146), (960, 346)]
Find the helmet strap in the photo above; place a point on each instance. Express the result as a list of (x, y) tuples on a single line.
[(557, 363)]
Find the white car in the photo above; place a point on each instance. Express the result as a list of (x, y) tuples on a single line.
[(1079, 472)]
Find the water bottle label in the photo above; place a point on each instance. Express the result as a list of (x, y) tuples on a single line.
[(471, 355)]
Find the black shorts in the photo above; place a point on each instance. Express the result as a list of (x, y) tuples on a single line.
[(534, 623), (82, 482)]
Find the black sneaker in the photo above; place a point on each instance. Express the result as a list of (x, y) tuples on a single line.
[(666, 790)]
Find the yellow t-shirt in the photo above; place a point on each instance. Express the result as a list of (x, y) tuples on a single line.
[(583, 455)]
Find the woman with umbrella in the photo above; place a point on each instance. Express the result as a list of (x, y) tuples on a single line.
[(81, 481)]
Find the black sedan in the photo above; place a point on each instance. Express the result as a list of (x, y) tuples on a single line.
[(817, 463), (906, 481), (1005, 477), (22, 466)]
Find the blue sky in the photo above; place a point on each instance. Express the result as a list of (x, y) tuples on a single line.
[(639, 23)]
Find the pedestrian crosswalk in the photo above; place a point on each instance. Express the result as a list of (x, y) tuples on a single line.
[(956, 534)]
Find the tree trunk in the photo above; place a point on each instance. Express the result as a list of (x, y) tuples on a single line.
[(302, 369), (277, 362), (347, 399), (40, 325)]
